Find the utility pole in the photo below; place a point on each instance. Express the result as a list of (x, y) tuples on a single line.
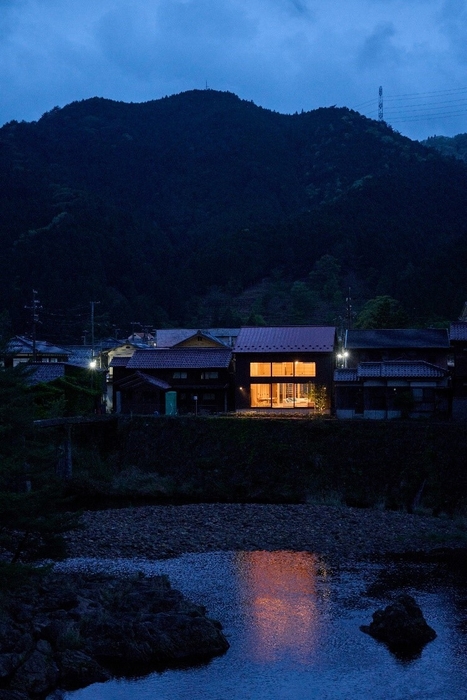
[(35, 306), (348, 304), (93, 303)]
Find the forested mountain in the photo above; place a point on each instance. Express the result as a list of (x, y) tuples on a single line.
[(449, 145), (202, 209)]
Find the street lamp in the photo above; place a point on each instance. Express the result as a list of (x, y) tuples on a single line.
[(342, 357)]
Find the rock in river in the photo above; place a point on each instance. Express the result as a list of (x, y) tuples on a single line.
[(401, 626)]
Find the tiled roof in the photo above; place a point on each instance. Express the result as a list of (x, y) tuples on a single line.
[(45, 372), (119, 361), (286, 339), (345, 375), (400, 369), (180, 358), (79, 355), (458, 331), (19, 344), (397, 338), (140, 378), (390, 369)]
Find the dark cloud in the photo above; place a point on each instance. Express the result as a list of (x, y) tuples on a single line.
[(379, 48), (286, 55)]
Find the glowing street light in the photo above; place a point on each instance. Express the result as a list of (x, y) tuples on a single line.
[(342, 357)]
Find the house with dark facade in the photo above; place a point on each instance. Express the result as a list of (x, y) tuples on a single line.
[(21, 349), (393, 373), (285, 368), (174, 381), (458, 340)]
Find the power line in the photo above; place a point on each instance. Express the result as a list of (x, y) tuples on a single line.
[(435, 104)]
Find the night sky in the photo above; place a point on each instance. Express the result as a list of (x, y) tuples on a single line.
[(285, 55)]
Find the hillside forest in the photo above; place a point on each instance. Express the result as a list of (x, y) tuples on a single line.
[(204, 210)]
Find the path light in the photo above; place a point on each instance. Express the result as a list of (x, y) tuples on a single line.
[(93, 364)]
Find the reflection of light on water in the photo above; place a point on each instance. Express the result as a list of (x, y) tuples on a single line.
[(282, 588)]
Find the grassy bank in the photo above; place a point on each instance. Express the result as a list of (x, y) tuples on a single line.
[(396, 465)]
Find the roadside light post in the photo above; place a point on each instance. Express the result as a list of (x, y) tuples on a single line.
[(342, 357), (92, 367)]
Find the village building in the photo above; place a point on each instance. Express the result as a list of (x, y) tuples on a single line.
[(394, 373), (174, 381), (21, 349), (285, 368), (458, 341)]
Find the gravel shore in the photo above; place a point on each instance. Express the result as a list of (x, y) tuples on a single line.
[(336, 532)]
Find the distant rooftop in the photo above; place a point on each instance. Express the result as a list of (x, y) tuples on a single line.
[(169, 337), (286, 339), (458, 331), (45, 372), (21, 345)]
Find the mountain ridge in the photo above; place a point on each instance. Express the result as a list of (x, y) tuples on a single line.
[(153, 207)]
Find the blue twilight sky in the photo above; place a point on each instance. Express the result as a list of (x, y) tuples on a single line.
[(285, 55)]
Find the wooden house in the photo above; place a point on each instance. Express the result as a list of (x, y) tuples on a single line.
[(393, 373), (285, 368), (399, 344), (21, 349), (458, 340), (174, 381)]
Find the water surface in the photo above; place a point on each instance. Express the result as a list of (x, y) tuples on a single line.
[(293, 626)]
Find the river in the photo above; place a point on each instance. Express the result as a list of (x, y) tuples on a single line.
[(293, 626)]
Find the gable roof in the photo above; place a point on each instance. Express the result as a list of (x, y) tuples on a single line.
[(286, 339), (389, 338), (21, 345), (170, 337), (181, 358)]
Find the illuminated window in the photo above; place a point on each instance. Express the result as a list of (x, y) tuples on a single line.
[(209, 375), (282, 369), (305, 369), (179, 375), (284, 395), (260, 395), (305, 395), (260, 369)]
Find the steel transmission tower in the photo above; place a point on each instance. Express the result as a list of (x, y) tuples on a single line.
[(380, 104)]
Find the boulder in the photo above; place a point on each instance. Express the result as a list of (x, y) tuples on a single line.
[(401, 626), (72, 630)]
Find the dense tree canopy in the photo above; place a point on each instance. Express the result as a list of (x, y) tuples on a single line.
[(382, 312), (156, 209)]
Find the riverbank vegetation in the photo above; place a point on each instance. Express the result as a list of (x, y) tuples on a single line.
[(398, 465)]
